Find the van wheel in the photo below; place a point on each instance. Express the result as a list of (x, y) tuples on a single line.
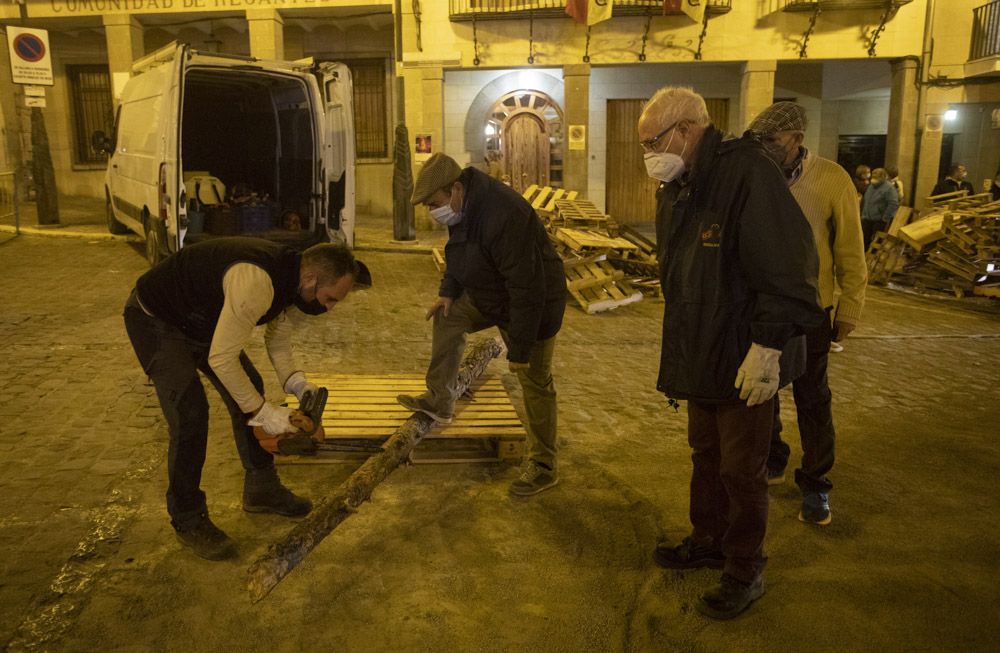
[(115, 227), (154, 244)]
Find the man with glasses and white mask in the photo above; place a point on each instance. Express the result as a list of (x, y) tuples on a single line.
[(738, 273), (501, 271)]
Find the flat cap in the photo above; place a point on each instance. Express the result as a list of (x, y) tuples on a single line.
[(779, 117), (438, 171)]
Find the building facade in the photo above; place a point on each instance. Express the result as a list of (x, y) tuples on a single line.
[(910, 83)]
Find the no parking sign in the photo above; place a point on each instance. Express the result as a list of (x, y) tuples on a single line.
[(30, 58)]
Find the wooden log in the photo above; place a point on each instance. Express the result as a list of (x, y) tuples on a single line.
[(281, 557)]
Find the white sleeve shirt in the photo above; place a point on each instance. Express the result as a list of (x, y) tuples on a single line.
[(248, 295)]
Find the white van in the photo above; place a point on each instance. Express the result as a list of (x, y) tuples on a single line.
[(281, 134)]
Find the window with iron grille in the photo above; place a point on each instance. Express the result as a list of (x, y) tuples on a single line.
[(90, 90), (370, 121)]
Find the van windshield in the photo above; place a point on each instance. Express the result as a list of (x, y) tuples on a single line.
[(248, 144)]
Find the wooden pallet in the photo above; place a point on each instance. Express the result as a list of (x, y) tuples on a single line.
[(886, 256), (575, 212), (597, 286), (582, 241), (362, 413)]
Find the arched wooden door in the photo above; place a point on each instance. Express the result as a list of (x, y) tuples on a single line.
[(526, 151)]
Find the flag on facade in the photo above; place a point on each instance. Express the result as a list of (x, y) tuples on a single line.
[(694, 9), (589, 12)]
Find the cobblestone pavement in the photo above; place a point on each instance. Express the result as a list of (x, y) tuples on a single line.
[(443, 559)]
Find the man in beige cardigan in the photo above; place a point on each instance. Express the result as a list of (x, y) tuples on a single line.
[(827, 197)]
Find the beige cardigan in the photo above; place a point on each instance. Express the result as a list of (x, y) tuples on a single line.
[(827, 197)]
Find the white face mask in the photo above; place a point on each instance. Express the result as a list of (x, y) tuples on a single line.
[(446, 215), (664, 166)]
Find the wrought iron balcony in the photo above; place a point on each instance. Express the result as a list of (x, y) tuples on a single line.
[(985, 31), (465, 10), (827, 5)]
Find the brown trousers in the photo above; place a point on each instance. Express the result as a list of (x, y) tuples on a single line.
[(730, 443)]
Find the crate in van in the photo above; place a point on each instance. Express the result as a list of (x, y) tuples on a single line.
[(286, 128)]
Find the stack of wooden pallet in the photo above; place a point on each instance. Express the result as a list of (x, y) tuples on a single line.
[(955, 247)]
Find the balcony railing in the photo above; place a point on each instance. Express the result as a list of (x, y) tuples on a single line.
[(463, 10), (826, 5), (985, 31)]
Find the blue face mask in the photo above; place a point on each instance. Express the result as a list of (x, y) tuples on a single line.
[(446, 215)]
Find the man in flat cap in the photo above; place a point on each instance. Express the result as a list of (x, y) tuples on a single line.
[(501, 271), (826, 195)]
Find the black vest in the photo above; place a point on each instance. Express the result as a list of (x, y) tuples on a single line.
[(185, 289)]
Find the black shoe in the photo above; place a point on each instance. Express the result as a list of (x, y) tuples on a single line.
[(729, 598), (420, 405), (816, 509), (207, 540), (688, 555), (277, 499), (775, 477)]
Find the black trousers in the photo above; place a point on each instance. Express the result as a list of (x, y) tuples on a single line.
[(172, 362), (813, 401), (871, 227), (729, 445)]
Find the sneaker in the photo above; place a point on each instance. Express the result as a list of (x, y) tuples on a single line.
[(277, 499), (535, 477), (836, 347), (775, 478), (207, 540), (816, 508), (688, 555), (420, 405), (729, 598)]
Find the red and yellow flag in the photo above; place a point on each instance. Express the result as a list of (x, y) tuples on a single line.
[(589, 12)]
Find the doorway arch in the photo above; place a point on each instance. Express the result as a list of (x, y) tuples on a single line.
[(524, 129)]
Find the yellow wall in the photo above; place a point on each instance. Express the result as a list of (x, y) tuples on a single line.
[(752, 30)]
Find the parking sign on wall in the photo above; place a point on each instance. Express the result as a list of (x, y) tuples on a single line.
[(30, 58)]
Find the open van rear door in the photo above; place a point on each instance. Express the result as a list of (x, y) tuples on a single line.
[(338, 151)]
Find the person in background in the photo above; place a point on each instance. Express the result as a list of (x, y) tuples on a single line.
[(291, 220), (738, 273), (862, 179), (826, 196), (879, 207), (893, 174), (995, 187), (954, 181)]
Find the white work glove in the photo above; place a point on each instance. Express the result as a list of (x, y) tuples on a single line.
[(298, 385), (757, 378), (273, 419)]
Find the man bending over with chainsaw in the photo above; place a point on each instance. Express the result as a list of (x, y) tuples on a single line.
[(195, 311)]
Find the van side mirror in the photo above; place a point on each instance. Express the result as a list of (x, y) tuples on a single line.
[(100, 142)]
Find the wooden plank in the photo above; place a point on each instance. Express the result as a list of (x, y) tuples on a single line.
[(900, 220), (529, 192), (438, 257), (541, 197), (551, 204)]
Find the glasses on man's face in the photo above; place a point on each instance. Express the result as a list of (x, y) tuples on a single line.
[(649, 145)]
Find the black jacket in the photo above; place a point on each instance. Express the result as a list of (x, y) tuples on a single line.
[(500, 254), (739, 266), (949, 185)]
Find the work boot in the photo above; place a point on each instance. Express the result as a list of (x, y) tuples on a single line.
[(729, 598), (264, 492), (421, 405), (816, 508), (688, 555), (535, 477), (206, 540)]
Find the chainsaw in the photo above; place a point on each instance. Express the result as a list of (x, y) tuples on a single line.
[(308, 421)]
